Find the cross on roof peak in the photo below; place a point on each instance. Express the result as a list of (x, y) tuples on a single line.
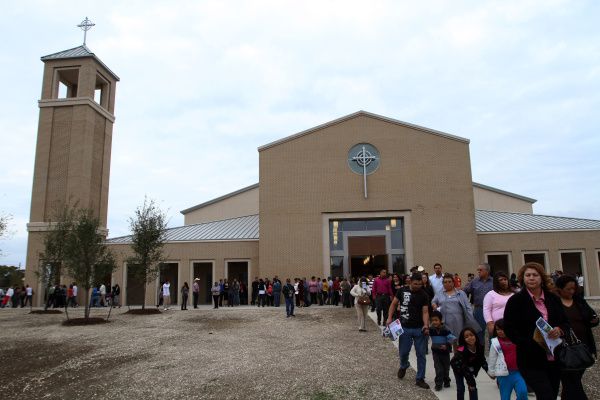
[(85, 26)]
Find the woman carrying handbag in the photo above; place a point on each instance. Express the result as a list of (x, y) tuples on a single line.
[(362, 293), (581, 320)]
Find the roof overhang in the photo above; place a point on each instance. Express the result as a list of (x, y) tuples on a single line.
[(78, 52), (358, 114)]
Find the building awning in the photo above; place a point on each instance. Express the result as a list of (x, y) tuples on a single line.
[(497, 221), (247, 228), (234, 229)]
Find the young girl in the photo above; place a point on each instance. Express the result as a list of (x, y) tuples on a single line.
[(468, 359), (503, 365)]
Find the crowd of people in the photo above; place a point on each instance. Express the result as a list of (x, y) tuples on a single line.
[(459, 320), (498, 310), (16, 296)]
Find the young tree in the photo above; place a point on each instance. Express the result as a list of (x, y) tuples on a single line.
[(51, 259), (86, 256), (11, 276), (4, 233), (148, 228)]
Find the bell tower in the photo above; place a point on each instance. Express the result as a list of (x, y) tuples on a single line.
[(72, 160)]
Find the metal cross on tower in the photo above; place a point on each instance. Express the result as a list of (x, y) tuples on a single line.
[(85, 26)]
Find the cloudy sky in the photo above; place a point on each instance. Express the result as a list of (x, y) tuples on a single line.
[(204, 83)]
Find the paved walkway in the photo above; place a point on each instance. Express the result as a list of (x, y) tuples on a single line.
[(486, 387)]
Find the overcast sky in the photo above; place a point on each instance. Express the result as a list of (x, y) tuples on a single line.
[(204, 83)]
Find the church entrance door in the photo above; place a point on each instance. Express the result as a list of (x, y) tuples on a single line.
[(367, 255)]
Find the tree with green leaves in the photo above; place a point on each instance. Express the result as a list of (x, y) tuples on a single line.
[(4, 233), (52, 258), (11, 276), (75, 246), (148, 228), (87, 258)]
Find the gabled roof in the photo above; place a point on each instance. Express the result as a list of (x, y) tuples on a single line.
[(499, 222), (504, 192), (77, 52), (226, 196), (247, 228), (366, 114), (234, 229)]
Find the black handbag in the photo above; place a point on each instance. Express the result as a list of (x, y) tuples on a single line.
[(573, 355)]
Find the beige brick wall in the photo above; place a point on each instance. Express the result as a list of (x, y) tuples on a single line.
[(185, 253), (239, 205), (489, 200), (552, 243), (422, 173)]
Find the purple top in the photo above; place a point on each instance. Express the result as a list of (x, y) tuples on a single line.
[(382, 286)]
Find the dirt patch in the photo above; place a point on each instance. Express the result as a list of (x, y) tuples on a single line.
[(60, 370), (251, 353), (145, 311), (308, 317), (85, 321), (46, 312), (215, 324)]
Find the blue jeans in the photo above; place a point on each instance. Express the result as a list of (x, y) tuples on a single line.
[(405, 344), (289, 306), (460, 387), (277, 297), (478, 314), (515, 381)]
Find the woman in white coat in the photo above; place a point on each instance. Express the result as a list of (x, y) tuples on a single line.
[(362, 293)]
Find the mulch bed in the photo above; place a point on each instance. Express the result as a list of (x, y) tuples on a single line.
[(46, 312), (84, 321), (146, 311)]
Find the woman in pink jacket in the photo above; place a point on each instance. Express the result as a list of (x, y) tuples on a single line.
[(495, 301)]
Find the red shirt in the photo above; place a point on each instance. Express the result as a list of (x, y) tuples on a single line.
[(457, 282), (510, 353)]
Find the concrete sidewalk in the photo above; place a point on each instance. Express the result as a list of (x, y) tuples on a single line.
[(486, 387)]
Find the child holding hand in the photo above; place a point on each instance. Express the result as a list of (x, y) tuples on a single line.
[(468, 359), (503, 365), (441, 344)]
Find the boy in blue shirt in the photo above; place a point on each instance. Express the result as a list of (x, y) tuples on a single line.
[(441, 344)]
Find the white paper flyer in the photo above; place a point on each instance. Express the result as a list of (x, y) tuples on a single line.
[(544, 328), (396, 329)]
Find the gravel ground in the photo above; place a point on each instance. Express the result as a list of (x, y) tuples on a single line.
[(227, 353)]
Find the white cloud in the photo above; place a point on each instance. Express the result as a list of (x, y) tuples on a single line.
[(203, 84)]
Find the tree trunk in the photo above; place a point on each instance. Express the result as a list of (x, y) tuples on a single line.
[(144, 296), (86, 303), (109, 311), (46, 296)]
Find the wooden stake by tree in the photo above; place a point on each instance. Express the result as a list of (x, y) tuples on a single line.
[(148, 228)]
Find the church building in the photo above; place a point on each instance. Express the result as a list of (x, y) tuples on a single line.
[(345, 198), (361, 193)]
